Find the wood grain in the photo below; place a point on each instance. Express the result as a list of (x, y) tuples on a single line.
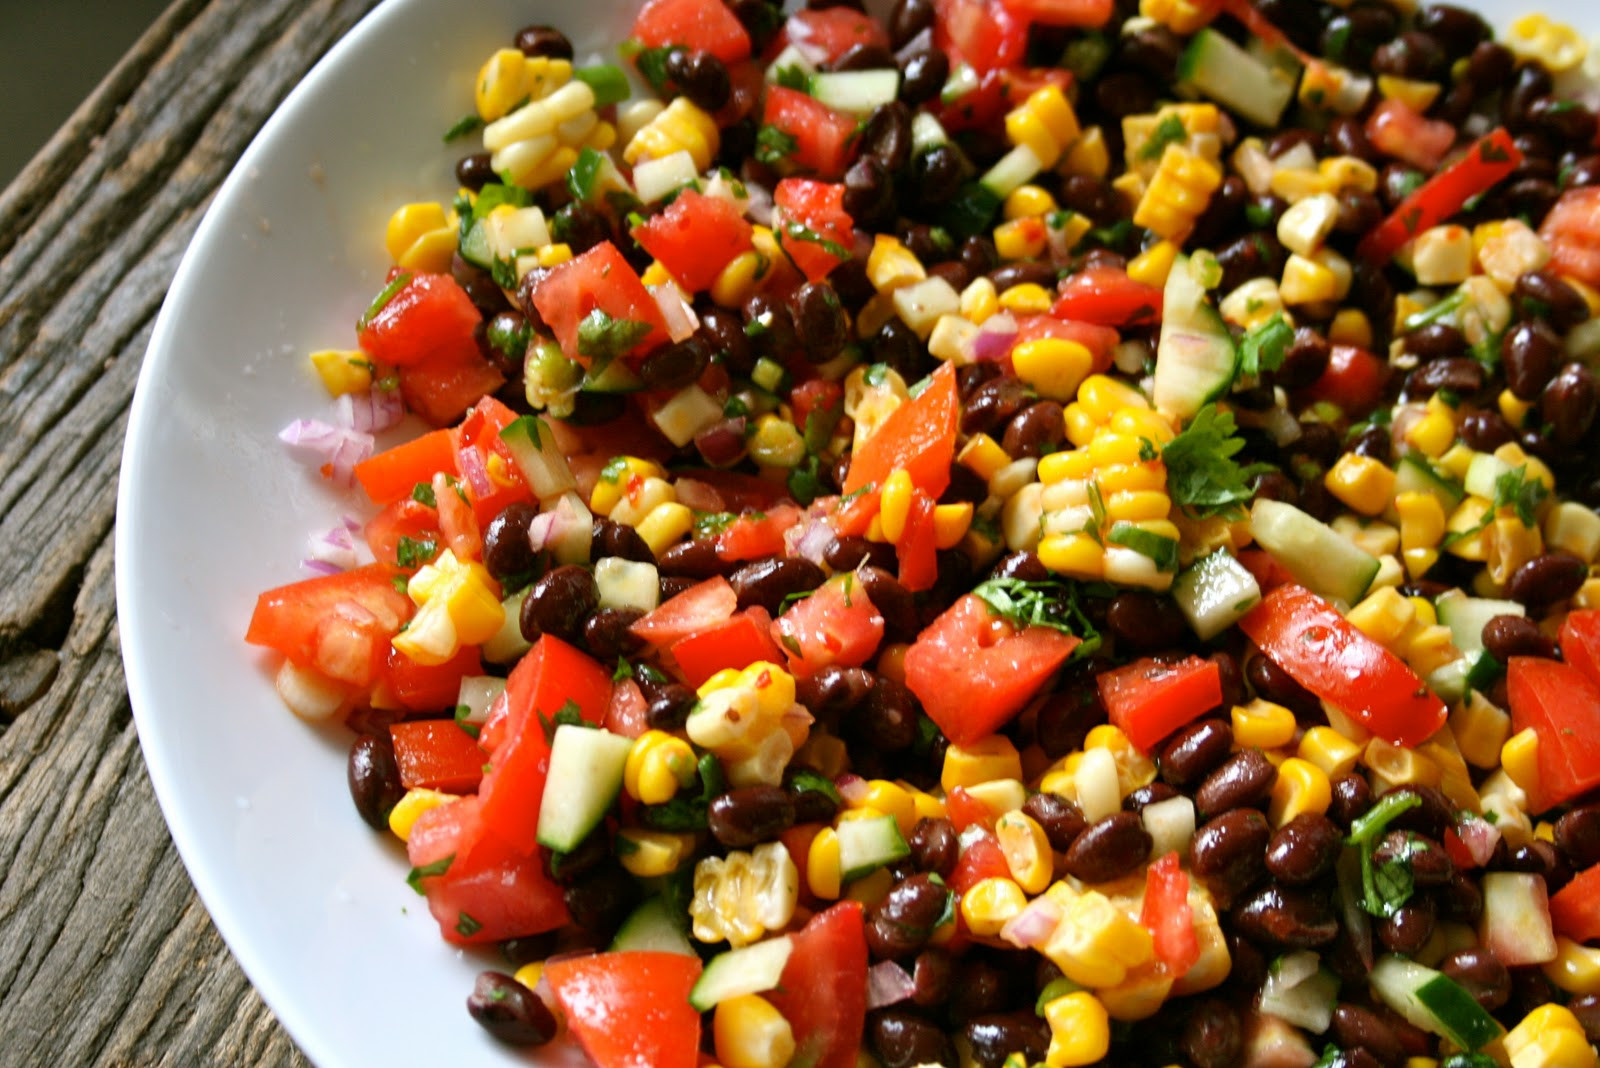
[(106, 955)]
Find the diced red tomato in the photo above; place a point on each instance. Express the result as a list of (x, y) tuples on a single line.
[(551, 674), (998, 91), (915, 552), (733, 643), (1471, 841), (835, 625), (1575, 908), (477, 443), (393, 473), (338, 624), (437, 754), (1580, 642), (626, 714), (694, 610), (853, 514), (1572, 230), (432, 687), (821, 142), (458, 525), (429, 317), (980, 860), (443, 386), (631, 1010), (988, 36), (823, 991), (598, 279), (818, 397), (1265, 568), (834, 31), (1308, 638), (1150, 699), (964, 810), (1399, 130), (1354, 380), (1494, 156), (811, 218), (698, 26), (797, 843), (404, 518), (1167, 916), (695, 238), (919, 436), (1562, 705), (1107, 296), (757, 534), (973, 670), (1092, 13)]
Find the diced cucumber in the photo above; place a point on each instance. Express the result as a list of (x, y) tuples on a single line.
[(1196, 357), (1215, 593), (867, 845), (653, 927), (856, 92), (963, 80), (969, 212), (1433, 1001), (475, 246), (1319, 558), (1516, 923), (1450, 680), (926, 132), (615, 377), (594, 179), (1299, 989), (747, 970), (570, 530), (508, 644), (1466, 616), (653, 179), (1215, 67), (1482, 474), (533, 449), (477, 693), (1012, 171), (1412, 475), (585, 777), (790, 59)]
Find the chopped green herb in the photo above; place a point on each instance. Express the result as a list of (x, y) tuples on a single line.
[(1202, 476), (614, 469), (1382, 895), (1051, 603), (603, 338), (624, 670), (1167, 132), (876, 374), (415, 876), (805, 480), (462, 712), (414, 552), (652, 64), (381, 301), (1163, 551), (422, 493), (610, 85), (463, 126), (569, 715), (1265, 346), (710, 524), (791, 76), (773, 145), (799, 231), (466, 926)]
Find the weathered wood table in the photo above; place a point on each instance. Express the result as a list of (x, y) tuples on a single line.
[(106, 955)]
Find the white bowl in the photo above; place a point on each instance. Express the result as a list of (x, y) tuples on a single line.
[(211, 511)]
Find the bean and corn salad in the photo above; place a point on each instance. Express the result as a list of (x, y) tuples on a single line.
[(1022, 532)]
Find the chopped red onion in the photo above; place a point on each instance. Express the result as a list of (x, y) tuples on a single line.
[(852, 788), (321, 567), (1033, 926), (474, 471), (758, 209), (680, 318), (699, 496), (1480, 837), (809, 538), (370, 412), (993, 344), (335, 548), (337, 448), (888, 984), (550, 526)]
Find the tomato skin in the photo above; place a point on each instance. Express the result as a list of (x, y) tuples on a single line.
[(987, 36), (740, 492), (821, 135), (479, 434), (444, 386), (1092, 13), (1354, 380), (699, 26), (1101, 341), (631, 1010), (695, 238), (1562, 705), (998, 91), (834, 31), (1575, 908), (438, 755), (919, 436), (915, 552), (1108, 297), (973, 671), (751, 537), (1264, 567), (599, 278), (818, 206), (1149, 699), (302, 620), (823, 991), (1494, 156), (835, 625), (964, 810), (430, 688), (430, 315), (735, 643), (393, 473), (544, 680), (1572, 230), (1168, 917), (1307, 637), (981, 860), (1580, 642), (690, 612), (401, 519)]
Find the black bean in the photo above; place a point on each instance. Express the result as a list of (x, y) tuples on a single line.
[(543, 41), (506, 549), (1430, 865), (701, 77), (618, 540), (559, 603), (1540, 858), (581, 227), (1109, 848), (819, 321), (1277, 486), (1036, 430), (607, 637), (672, 585), (922, 74), (937, 173), (374, 779), (602, 899), (768, 582), (953, 271), (886, 135), (1506, 636), (1587, 1009), (776, 337), (1375, 442), (932, 975), (864, 55), (1229, 677), (1412, 55), (1355, 1027), (1143, 621), (1065, 719), (1529, 990), (869, 192), (892, 600), (1125, 93), (1409, 927), (909, 18), (1455, 106), (760, 19), (723, 331), (966, 486), (1546, 579), (1251, 256), (1304, 850), (676, 365), (1212, 1035), (898, 926), (1061, 820), (994, 1036), (993, 405), (833, 690), (667, 708), (887, 719), (1398, 181), (1485, 431), (1457, 28), (983, 986), (748, 815), (1194, 751), (1569, 403), (1243, 781), (1481, 973), (509, 1011), (1461, 375), (1578, 836), (1023, 273), (1567, 121), (1292, 917), (1460, 900), (475, 171), (1436, 341), (1228, 853), (1430, 817), (1580, 174), (848, 551), (902, 1039), (1530, 82), (898, 346), (695, 559), (934, 845), (1490, 64), (1351, 799), (1289, 139), (1022, 565), (1348, 137), (1150, 794), (1531, 197), (1304, 360)]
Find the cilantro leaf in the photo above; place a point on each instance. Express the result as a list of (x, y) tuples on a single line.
[(466, 926), (381, 301), (791, 76), (1266, 345), (462, 127), (799, 231), (1202, 475), (1523, 495), (462, 712), (415, 876), (652, 64), (1168, 131), (773, 145), (1050, 603), (568, 716), (422, 493), (414, 552), (603, 338)]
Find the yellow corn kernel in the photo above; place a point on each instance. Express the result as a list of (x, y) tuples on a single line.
[(1179, 192), (653, 853), (1352, 173), (1422, 520), (1071, 465), (1393, 765), (1096, 943), (1077, 555), (408, 223), (990, 905), (1088, 155), (1576, 968), (1326, 748), (1027, 200), (1432, 434), (1102, 397), (1295, 184), (1550, 1036), (1115, 479), (1152, 266), (891, 799), (1541, 39), (749, 1032), (979, 300), (1026, 849), (1183, 17), (1025, 129), (655, 274), (983, 456), (343, 370), (891, 265), (658, 765), (555, 253), (665, 525), (1351, 326), (1080, 1030), (1055, 367), (736, 282), (457, 605), (530, 974), (1363, 484), (1513, 408), (1029, 298), (1301, 787), (416, 801), (1480, 729), (1137, 506), (1415, 94), (682, 127), (1000, 795), (1263, 725), (951, 523), (823, 871), (501, 83), (1519, 758), (895, 506)]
